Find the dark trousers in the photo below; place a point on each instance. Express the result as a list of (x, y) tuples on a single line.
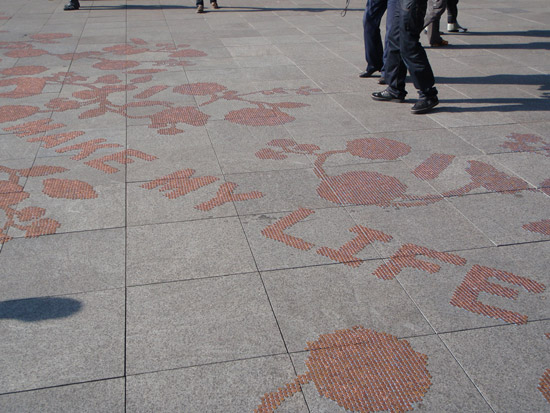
[(406, 52), (375, 54), (452, 11)]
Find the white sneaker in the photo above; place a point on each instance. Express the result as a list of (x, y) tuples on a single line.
[(455, 27)]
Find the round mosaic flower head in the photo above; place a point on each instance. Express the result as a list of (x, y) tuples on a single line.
[(362, 371)]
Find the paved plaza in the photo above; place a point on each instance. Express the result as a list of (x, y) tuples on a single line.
[(208, 212)]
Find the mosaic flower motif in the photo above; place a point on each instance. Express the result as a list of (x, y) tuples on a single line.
[(68, 189), (362, 371), (258, 117), (378, 148), (10, 113)]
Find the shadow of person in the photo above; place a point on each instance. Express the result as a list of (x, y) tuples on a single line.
[(502, 46), (226, 9), (502, 105), (542, 80), (39, 309), (526, 33)]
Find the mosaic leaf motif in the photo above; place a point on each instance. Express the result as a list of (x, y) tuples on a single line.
[(374, 188), (544, 382), (28, 219), (541, 226), (362, 371), (182, 182), (95, 95), (68, 189)]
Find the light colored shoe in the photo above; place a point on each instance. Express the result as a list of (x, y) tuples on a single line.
[(214, 5), (455, 27), (200, 8)]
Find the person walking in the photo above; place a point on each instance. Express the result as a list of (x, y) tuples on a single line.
[(406, 53), (435, 10), (200, 5), (452, 14), (375, 53)]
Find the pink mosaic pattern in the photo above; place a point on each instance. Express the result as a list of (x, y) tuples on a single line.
[(32, 219), (362, 371), (374, 188), (181, 183), (476, 281), (99, 96), (466, 295), (544, 382)]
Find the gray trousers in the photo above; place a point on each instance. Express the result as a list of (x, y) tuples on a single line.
[(433, 14)]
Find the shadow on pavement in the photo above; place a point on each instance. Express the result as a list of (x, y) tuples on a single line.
[(543, 81), (496, 105), (502, 46), (229, 9), (39, 309)]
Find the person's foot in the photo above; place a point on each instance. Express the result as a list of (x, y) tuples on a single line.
[(425, 105), (386, 96), (72, 5), (442, 43), (382, 81), (368, 73), (455, 27), (214, 5), (200, 8)]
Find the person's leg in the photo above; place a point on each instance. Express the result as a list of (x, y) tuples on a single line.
[(395, 70), (390, 14), (452, 11), (414, 55), (452, 14), (374, 11), (200, 6), (434, 35), (434, 11)]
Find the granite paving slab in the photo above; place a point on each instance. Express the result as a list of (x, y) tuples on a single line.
[(50, 341), (479, 287), (72, 196), (501, 138), (69, 263), (437, 226), (315, 300), (237, 147), (185, 250), (190, 149), (306, 237), (196, 322), (277, 191), (507, 218), (508, 364), (181, 199), (235, 386)]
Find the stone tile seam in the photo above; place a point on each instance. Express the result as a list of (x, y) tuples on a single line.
[(62, 385)]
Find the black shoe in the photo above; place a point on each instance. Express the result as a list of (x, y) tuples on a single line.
[(382, 81), (200, 8), (368, 73), (425, 105), (73, 5), (386, 96)]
